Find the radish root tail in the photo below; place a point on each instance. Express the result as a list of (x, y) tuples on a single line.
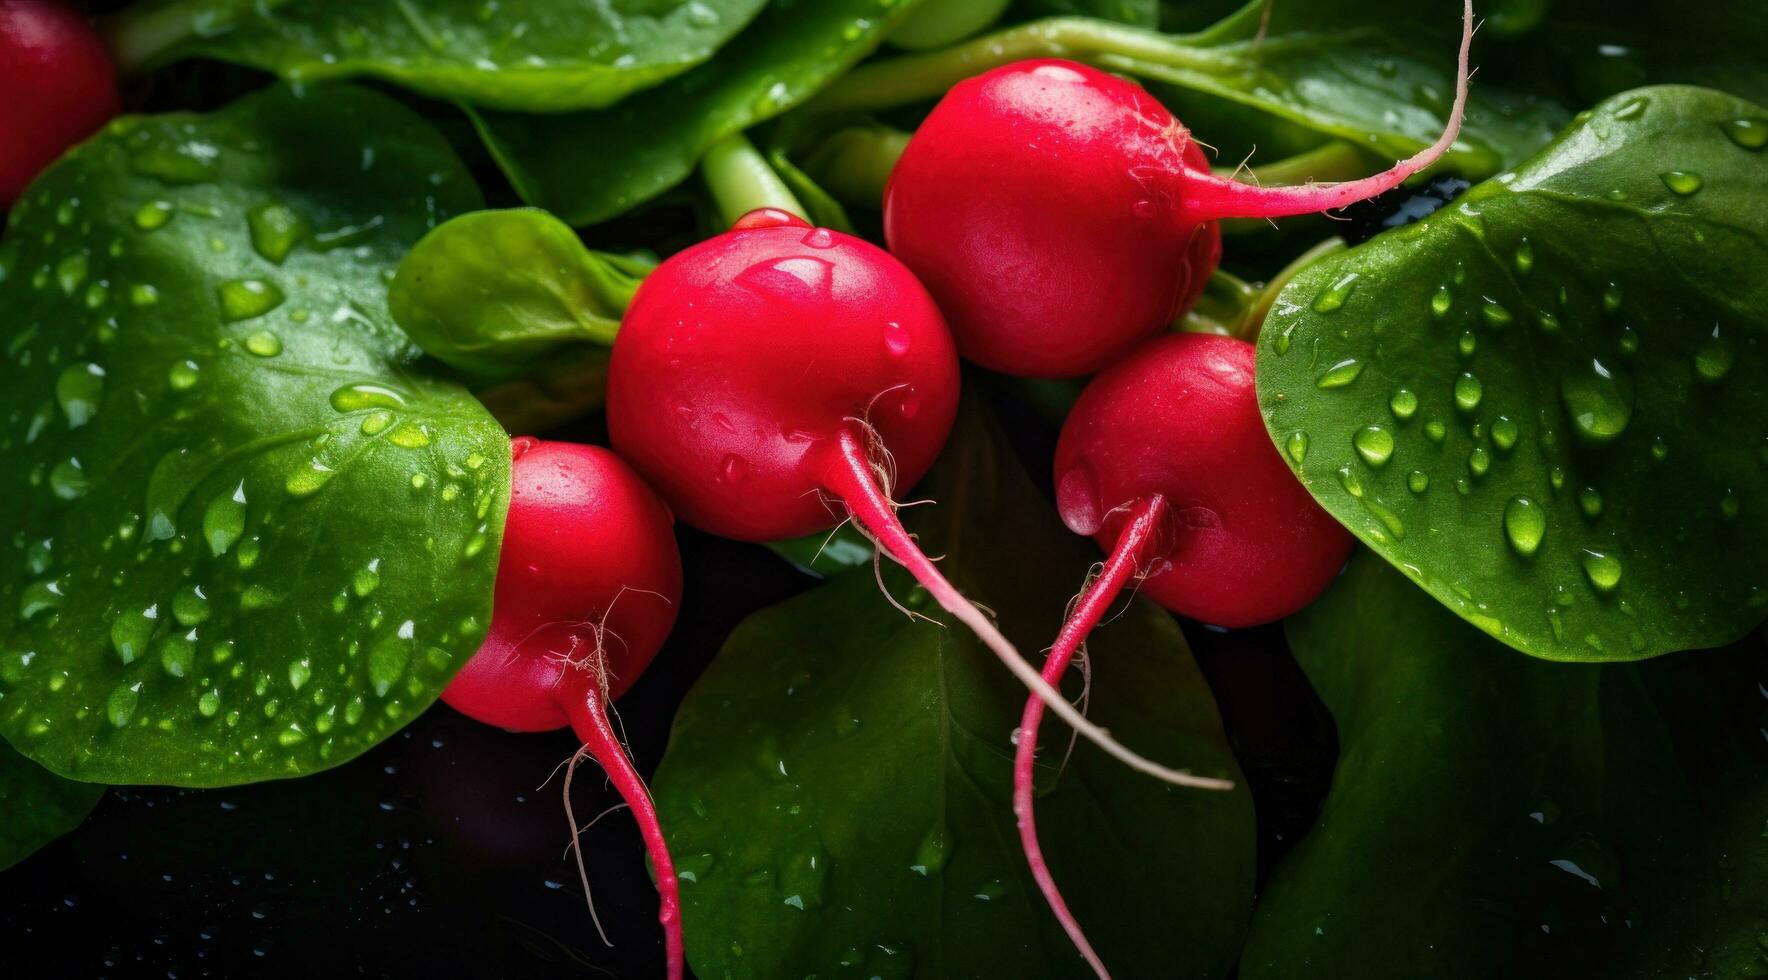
[(851, 477)]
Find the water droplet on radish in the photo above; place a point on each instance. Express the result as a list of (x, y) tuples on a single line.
[(1077, 497), (733, 469), (818, 238), (896, 339)]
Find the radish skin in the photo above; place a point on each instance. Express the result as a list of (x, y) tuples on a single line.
[(1060, 214), (59, 86), (765, 372), (588, 582)]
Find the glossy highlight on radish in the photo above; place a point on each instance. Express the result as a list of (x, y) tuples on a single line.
[(778, 378), (57, 86), (588, 583), (1060, 214), (1165, 461)]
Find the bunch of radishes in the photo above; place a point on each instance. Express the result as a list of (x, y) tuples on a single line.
[(1047, 220)]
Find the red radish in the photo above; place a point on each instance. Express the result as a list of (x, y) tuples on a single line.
[(1166, 463), (1060, 215), (776, 377), (58, 84), (587, 587)]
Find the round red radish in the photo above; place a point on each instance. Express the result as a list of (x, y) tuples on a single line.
[(588, 583), (743, 357), (57, 86), (1179, 417), (777, 378), (1060, 214)]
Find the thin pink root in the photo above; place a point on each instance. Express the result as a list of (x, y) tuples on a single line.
[(1135, 548), (850, 476), (590, 721), (1208, 197)]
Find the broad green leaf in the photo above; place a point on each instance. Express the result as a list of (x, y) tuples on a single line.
[(494, 293), (826, 553), (1491, 815), (519, 55), (1547, 403), (590, 166), (37, 806), (1714, 702), (247, 537), (837, 787)]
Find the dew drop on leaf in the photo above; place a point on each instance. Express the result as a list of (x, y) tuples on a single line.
[(1468, 391), (224, 520), (79, 389), (1375, 444), (1341, 374), (1525, 524), (1682, 182), (1714, 359), (1403, 403), (1602, 569), (131, 631), (120, 706), (1600, 403), (243, 299)]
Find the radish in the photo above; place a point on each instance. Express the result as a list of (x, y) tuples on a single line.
[(1165, 461), (587, 587), (1060, 214), (776, 377), (58, 84)]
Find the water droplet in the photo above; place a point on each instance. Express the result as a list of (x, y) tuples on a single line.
[(1611, 298), (308, 480), (1479, 461), (1467, 343), (1525, 524), (366, 395), (1352, 483), (1751, 134), (275, 229), (1375, 444), (209, 703), (1660, 450), (79, 389), (243, 299), (1504, 433), (1525, 257), (1297, 447), (1600, 403), (67, 479), (1682, 182), (178, 654), (932, 853), (71, 272), (183, 375), (1602, 569), (896, 339), (1714, 359), (818, 238), (1468, 391), (1495, 313), (264, 344), (1629, 341), (300, 672), (734, 469), (1341, 374), (120, 706), (190, 606), (153, 215), (1435, 430), (410, 435), (224, 520), (131, 631), (1548, 322), (1418, 481), (1403, 403), (1730, 506), (1334, 295), (386, 663), (367, 579), (1441, 300)]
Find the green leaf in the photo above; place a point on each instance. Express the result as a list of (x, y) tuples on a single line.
[(837, 787), (519, 55), (496, 293), (37, 806), (587, 167), (826, 553), (1490, 814), (1138, 13), (249, 539), (1546, 403)]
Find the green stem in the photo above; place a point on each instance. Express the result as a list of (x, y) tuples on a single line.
[(141, 35), (741, 180), (921, 77), (935, 25), (1223, 307), (1333, 161), (853, 164)]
